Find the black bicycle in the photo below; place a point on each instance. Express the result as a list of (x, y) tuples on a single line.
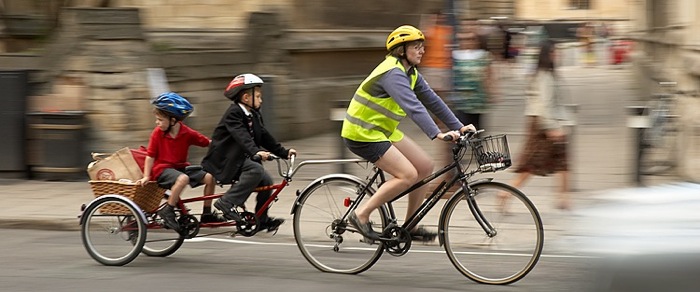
[(659, 139), (491, 231)]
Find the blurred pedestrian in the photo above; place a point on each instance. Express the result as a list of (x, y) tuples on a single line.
[(545, 150), (473, 82), (436, 64), (586, 34)]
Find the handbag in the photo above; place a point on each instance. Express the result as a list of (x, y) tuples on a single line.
[(120, 165)]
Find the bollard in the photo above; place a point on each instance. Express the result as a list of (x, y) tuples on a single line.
[(337, 115), (638, 121)]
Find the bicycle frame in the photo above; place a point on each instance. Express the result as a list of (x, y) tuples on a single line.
[(286, 175), (437, 193)]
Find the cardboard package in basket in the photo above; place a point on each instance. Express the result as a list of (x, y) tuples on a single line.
[(120, 165)]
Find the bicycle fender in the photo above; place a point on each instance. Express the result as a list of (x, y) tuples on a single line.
[(115, 196), (319, 180), (481, 180)]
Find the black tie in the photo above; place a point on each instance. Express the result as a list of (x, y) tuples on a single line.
[(250, 125)]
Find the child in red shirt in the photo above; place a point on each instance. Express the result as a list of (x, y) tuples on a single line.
[(166, 161)]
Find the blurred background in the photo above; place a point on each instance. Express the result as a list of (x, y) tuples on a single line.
[(77, 75)]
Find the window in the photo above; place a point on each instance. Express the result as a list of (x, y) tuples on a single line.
[(579, 4)]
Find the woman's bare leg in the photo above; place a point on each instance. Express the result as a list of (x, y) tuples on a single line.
[(564, 200), (424, 166), (404, 174)]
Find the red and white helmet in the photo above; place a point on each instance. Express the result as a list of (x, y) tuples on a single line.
[(241, 82)]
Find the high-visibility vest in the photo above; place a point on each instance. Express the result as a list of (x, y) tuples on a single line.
[(374, 119)]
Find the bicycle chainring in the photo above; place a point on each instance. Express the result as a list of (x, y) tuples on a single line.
[(399, 240), (249, 225), (189, 225)]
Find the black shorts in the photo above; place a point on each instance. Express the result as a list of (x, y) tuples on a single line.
[(167, 179), (371, 151)]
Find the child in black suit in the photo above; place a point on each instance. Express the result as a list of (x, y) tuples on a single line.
[(238, 136)]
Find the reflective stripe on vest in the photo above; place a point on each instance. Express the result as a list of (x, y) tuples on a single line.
[(374, 119)]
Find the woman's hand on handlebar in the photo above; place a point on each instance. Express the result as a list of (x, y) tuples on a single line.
[(454, 135), (448, 136), (467, 128)]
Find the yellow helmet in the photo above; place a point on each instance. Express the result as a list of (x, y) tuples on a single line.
[(402, 34)]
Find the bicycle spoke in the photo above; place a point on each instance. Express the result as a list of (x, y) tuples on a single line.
[(324, 240), (508, 243)]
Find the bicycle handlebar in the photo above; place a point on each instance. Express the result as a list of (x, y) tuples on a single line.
[(463, 136), (258, 158)]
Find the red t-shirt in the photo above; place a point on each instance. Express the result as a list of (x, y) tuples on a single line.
[(172, 152)]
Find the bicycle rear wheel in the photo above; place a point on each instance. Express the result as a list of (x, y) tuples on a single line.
[(508, 243), (113, 231), (327, 242)]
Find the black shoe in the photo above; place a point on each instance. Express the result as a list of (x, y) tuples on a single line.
[(422, 234), (228, 209), (213, 217), (169, 218), (364, 229), (271, 224)]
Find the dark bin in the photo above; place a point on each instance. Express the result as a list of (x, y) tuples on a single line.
[(56, 145), (12, 118)]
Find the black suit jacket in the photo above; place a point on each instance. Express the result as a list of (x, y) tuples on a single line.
[(232, 144)]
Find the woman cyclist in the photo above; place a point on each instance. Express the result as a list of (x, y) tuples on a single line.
[(392, 91)]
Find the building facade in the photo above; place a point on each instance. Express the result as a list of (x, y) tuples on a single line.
[(667, 47)]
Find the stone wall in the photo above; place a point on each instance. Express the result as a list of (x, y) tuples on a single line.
[(666, 48), (107, 50), (307, 65)]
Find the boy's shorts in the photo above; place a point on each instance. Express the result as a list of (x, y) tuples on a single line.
[(167, 179), (371, 151)]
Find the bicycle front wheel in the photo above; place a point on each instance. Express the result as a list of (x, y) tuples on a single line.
[(329, 243), (113, 232), (493, 234)]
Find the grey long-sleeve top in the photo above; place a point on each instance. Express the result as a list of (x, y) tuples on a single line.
[(397, 84)]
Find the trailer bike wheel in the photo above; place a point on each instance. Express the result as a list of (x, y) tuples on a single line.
[(493, 234), (161, 241), (113, 230), (329, 243)]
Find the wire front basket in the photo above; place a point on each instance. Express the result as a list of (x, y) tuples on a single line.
[(491, 152)]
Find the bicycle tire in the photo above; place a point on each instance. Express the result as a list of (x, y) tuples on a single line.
[(160, 241), (317, 210), (113, 238), (507, 255)]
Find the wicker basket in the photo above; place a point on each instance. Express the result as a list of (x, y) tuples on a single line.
[(148, 197)]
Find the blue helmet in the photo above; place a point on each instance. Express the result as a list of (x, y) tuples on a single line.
[(174, 104)]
